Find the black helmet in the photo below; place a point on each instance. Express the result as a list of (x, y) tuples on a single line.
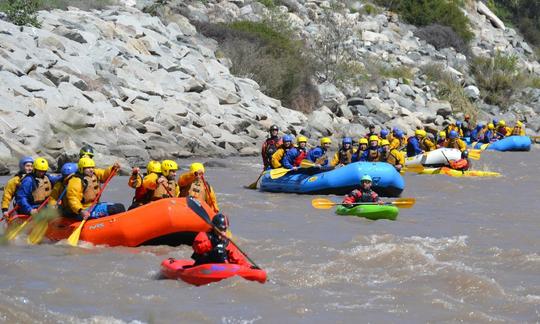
[(465, 154), (221, 222), (88, 150), (273, 128), (371, 126)]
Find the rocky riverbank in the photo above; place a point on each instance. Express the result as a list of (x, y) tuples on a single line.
[(139, 87)]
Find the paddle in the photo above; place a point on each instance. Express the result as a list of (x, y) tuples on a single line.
[(199, 210), (280, 172), (73, 239), (8, 216), (43, 218), (475, 154), (323, 203), (413, 168), (253, 186), (12, 233)]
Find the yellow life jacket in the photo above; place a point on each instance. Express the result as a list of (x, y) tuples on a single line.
[(197, 189), (161, 192), (43, 189), (374, 155), (91, 188), (393, 157), (345, 156)]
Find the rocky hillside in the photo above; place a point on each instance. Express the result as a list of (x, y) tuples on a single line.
[(138, 86)]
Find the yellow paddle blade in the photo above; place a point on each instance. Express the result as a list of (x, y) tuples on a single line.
[(13, 232), (278, 173), (41, 223), (414, 168), (307, 164), (474, 154), (253, 186), (404, 202), (322, 203), (73, 239)]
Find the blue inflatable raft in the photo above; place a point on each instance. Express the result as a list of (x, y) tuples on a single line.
[(387, 182), (510, 143)]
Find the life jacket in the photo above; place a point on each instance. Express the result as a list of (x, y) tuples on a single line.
[(270, 147), (480, 135), (391, 157), (142, 194), (461, 164), (374, 155), (43, 189), (91, 188), (198, 190), (161, 192), (322, 159), (501, 131), (345, 156), (452, 143), (218, 254), (302, 153), (424, 144), (361, 195)]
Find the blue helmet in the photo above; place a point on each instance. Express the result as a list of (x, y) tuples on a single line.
[(68, 168), (459, 123), (347, 140), (24, 160), (479, 126), (453, 134), (287, 138), (384, 133), (495, 121), (395, 129), (399, 133)]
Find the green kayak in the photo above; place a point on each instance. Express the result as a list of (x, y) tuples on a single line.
[(372, 212)]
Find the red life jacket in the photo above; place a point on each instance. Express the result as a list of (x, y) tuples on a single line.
[(301, 156), (461, 164)]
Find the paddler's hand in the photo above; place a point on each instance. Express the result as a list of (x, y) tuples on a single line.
[(380, 202), (6, 214), (33, 211), (161, 180), (85, 214), (116, 165)]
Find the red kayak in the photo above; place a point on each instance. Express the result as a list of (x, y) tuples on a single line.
[(207, 273)]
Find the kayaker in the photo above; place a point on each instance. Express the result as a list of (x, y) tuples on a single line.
[(455, 142), (145, 186), (194, 184), (362, 147), (211, 247), (344, 155), (86, 151), (373, 153), (488, 135), (392, 156), (25, 167), (58, 193), (35, 188), (462, 164), (383, 134), (83, 188), (270, 146), (364, 194), (371, 131), (318, 154), (441, 139), (518, 129), (277, 157)]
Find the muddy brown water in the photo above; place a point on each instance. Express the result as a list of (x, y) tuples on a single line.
[(468, 251)]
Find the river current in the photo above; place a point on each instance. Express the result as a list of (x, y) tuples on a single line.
[(468, 251)]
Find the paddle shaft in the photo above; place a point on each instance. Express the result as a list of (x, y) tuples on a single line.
[(237, 247), (209, 193), (254, 184)]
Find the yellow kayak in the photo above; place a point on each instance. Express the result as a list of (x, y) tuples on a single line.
[(457, 173)]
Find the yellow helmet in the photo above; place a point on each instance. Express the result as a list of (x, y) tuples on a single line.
[(167, 166), (502, 123), (519, 124), (490, 126), (420, 132), (301, 139), (374, 138), (363, 140), (85, 162), (196, 167), (325, 140), (384, 142), (41, 164), (442, 134), (153, 167)]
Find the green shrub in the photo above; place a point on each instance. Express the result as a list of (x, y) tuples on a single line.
[(450, 89), (498, 77), (81, 4), (525, 14), (270, 57), (21, 12), (427, 12), (268, 3)]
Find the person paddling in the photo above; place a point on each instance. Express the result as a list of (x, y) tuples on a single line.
[(145, 187), (35, 188), (25, 167), (462, 164), (364, 194), (58, 192), (194, 184), (214, 247)]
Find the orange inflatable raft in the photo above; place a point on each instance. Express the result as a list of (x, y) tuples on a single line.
[(163, 222)]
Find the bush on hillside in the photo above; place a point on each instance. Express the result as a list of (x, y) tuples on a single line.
[(442, 37), (525, 14), (427, 12), (269, 56), (22, 12)]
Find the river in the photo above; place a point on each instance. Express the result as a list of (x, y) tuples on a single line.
[(467, 251)]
